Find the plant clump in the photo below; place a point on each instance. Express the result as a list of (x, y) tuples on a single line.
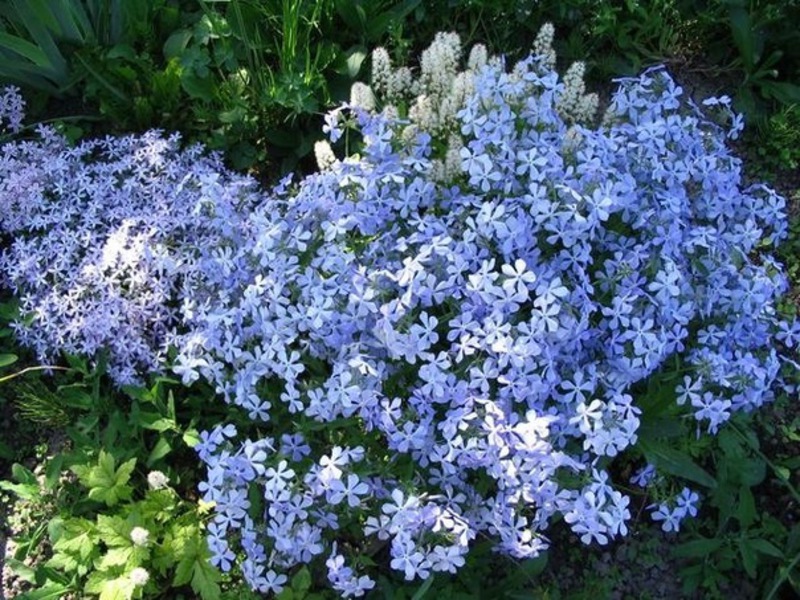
[(429, 363), (424, 359)]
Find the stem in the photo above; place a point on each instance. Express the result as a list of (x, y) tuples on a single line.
[(32, 369), (783, 577), (764, 457)]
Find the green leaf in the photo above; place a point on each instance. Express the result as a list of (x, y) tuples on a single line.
[(765, 547), (115, 557), (301, 582), (676, 463), (350, 64), (23, 474), (698, 548), (117, 589), (423, 589), (743, 36), (24, 491), (49, 591), (114, 531), (199, 88), (746, 509), (159, 451), (748, 554), (20, 569), (105, 482), (191, 437), (204, 580), (8, 359)]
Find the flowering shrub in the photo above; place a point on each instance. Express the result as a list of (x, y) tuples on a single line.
[(103, 238), (432, 100), (428, 363), (424, 362)]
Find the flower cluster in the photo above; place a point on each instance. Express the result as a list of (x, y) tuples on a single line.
[(670, 511), (12, 109), (432, 101), (103, 240), (432, 362), (424, 362)]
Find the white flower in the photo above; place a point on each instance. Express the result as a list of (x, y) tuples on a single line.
[(543, 45), (324, 155), (140, 536), (381, 70), (139, 577), (157, 480), (361, 95)]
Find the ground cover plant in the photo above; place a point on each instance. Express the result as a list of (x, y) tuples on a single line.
[(495, 333), (499, 323)]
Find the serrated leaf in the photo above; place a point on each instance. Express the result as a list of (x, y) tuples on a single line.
[(106, 483), (114, 531), (115, 557), (117, 589), (204, 580)]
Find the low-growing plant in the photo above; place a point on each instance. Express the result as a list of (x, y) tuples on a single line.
[(429, 359), (350, 362), (110, 544)]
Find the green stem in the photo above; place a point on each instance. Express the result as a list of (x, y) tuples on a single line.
[(786, 574), (764, 457), (30, 370)]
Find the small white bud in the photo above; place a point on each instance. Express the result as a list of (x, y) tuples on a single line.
[(140, 536), (139, 577), (157, 480)]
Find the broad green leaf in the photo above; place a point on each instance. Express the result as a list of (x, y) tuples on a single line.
[(20, 569), (676, 463), (106, 483), (743, 36), (301, 582), (698, 548), (191, 437), (115, 557), (766, 547), (746, 509), (117, 589), (23, 474), (749, 559), (199, 88), (159, 451), (49, 591), (22, 490), (8, 359), (114, 531), (204, 580), (350, 65)]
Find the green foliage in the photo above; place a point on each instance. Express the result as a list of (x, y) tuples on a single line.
[(77, 514), (741, 537), (778, 145)]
